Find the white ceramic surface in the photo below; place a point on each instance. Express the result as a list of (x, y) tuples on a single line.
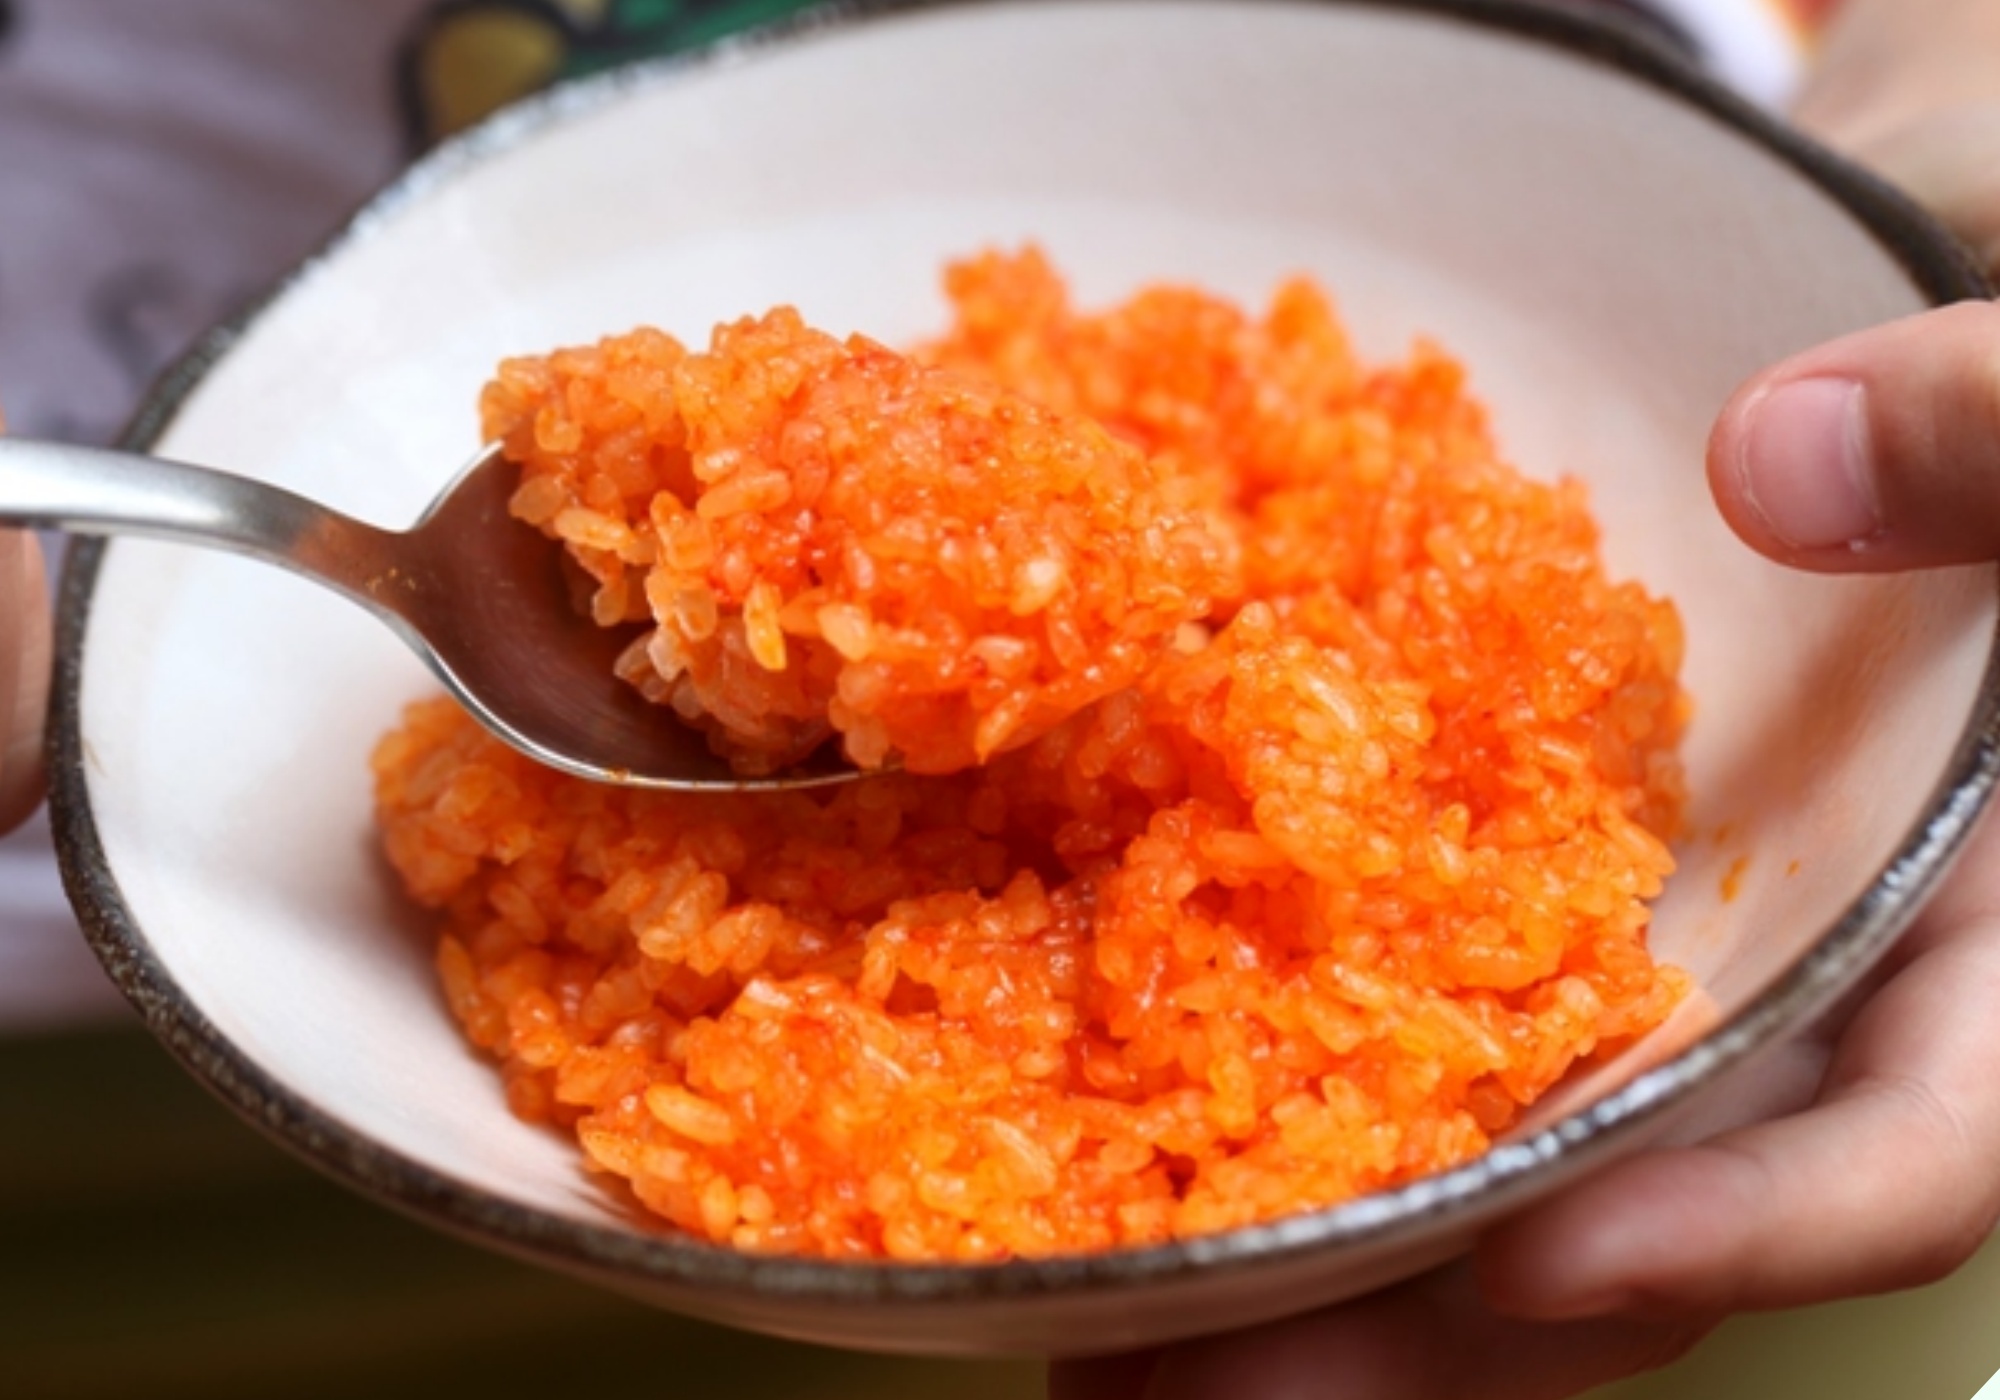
[(1608, 255)]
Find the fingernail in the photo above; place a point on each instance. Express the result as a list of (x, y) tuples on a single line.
[(1806, 464)]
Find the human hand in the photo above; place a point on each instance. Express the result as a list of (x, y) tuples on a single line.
[(24, 673), (1877, 452)]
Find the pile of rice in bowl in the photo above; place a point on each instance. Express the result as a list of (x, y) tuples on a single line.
[(1282, 779)]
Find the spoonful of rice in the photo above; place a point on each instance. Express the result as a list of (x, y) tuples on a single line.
[(479, 597), (696, 570)]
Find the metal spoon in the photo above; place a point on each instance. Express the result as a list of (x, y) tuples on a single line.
[(478, 595)]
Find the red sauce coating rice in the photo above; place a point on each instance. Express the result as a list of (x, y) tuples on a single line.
[(819, 533), (1280, 846)]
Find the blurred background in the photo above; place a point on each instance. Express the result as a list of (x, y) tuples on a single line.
[(159, 164)]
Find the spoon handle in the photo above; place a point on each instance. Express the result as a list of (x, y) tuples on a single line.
[(95, 491)]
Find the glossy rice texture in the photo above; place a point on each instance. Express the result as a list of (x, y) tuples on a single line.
[(823, 535), (1348, 864)]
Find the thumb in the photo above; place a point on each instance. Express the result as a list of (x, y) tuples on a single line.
[(1876, 452)]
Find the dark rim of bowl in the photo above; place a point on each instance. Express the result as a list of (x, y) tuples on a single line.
[(1935, 263)]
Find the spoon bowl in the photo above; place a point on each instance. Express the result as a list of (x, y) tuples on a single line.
[(481, 597)]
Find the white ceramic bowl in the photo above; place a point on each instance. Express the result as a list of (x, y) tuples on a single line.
[(1609, 243)]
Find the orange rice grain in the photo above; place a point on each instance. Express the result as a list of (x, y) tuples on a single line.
[(1287, 780), (824, 535)]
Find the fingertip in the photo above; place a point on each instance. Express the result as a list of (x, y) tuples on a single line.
[(26, 638), (1725, 462), (1792, 466), (1878, 451), (1803, 465)]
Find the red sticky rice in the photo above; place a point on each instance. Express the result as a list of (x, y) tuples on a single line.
[(1278, 842), (824, 533)]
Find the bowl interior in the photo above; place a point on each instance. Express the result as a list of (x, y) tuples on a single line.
[(1608, 258)]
